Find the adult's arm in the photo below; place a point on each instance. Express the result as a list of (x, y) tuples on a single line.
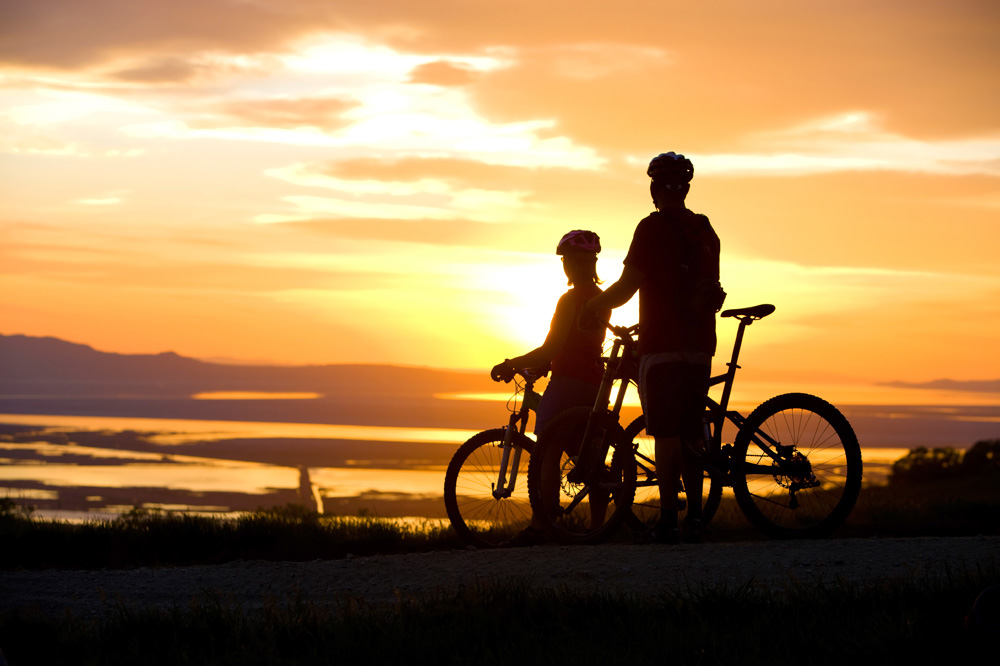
[(620, 293)]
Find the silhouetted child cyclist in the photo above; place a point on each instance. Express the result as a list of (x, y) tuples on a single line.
[(573, 355)]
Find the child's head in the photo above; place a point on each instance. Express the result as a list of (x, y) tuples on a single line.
[(579, 250)]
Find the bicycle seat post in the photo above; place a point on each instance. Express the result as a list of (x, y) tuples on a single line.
[(733, 365)]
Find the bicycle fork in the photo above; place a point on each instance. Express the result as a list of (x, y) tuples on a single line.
[(504, 487)]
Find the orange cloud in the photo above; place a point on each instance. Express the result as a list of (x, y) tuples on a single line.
[(318, 112), (160, 70), (442, 73)]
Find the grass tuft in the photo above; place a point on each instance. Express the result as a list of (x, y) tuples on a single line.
[(506, 621)]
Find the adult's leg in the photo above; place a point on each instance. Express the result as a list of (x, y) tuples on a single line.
[(694, 481), (695, 388), (669, 466), (660, 403)]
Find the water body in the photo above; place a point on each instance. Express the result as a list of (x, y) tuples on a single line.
[(101, 456)]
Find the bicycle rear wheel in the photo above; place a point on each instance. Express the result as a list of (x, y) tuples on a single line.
[(587, 512), (646, 504), (479, 517), (796, 467)]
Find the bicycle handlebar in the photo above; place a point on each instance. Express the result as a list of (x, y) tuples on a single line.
[(623, 332), (532, 374)]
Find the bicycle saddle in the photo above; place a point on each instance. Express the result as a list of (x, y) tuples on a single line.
[(754, 312)]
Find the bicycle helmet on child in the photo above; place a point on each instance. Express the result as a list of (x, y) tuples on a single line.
[(671, 169), (579, 241)]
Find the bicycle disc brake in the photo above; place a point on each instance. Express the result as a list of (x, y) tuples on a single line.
[(795, 473), (578, 491)]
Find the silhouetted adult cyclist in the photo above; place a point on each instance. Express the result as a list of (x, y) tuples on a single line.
[(673, 262), (573, 355)]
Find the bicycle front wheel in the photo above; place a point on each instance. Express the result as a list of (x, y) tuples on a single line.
[(482, 516), (646, 504), (590, 511), (796, 467)]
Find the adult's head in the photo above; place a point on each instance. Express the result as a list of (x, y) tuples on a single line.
[(578, 250), (670, 175)]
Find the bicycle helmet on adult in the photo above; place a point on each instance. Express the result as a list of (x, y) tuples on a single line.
[(579, 241), (670, 169)]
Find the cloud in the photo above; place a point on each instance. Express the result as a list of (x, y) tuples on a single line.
[(321, 113), (106, 201), (853, 141), (71, 34), (425, 198), (456, 170), (160, 70), (454, 232), (985, 386), (341, 93), (442, 73), (404, 133), (41, 107), (36, 143), (43, 122), (600, 60), (103, 268)]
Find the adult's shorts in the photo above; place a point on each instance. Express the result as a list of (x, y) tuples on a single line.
[(673, 396)]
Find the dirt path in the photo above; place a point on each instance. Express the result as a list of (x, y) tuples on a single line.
[(616, 568)]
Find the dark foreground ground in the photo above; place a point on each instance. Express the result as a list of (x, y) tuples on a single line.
[(644, 571)]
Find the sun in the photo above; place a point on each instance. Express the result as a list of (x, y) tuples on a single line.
[(525, 295)]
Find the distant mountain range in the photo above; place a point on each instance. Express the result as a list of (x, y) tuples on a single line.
[(981, 386), (49, 366)]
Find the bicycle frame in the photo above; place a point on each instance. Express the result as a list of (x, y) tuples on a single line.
[(716, 462), (719, 411), (776, 451), (518, 422), (621, 351)]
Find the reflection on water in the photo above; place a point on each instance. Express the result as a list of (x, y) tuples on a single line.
[(309, 493), (106, 473), (51, 471), (253, 395), (747, 394), (182, 431)]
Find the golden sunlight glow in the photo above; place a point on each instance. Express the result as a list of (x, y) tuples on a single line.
[(355, 188), (525, 291)]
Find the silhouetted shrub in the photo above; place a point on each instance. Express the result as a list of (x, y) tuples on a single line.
[(923, 464), (984, 456)]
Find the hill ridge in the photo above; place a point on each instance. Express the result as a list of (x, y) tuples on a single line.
[(46, 365)]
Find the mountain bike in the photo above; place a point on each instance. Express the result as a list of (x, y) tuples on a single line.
[(795, 465), (486, 485)]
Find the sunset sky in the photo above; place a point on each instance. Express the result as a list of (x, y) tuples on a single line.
[(309, 181)]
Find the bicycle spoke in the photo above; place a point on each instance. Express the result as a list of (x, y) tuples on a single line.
[(807, 482), (479, 517)]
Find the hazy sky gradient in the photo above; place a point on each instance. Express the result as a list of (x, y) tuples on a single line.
[(307, 181)]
